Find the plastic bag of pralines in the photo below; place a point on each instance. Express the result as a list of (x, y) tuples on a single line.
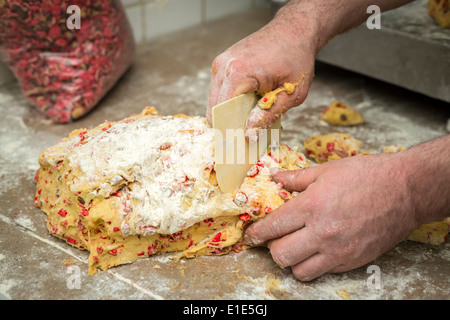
[(65, 56)]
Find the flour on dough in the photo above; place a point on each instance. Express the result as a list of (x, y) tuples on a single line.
[(146, 185)]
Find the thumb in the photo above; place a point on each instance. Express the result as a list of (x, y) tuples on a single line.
[(296, 180), (273, 105)]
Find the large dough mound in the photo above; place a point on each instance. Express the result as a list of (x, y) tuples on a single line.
[(146, 185)]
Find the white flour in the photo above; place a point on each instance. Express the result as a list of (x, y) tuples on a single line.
[(165, 163)]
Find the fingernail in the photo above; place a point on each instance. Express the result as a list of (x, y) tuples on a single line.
[(251, 241)]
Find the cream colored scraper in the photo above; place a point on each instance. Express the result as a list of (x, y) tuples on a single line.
[(234, 155)]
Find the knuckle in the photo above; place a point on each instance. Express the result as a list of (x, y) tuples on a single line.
[(332, 231), (226, 66), (219, 63), (279, 255), (341, 255), (347, 252), (327, 234), (303, 275), (219, 60), (233, 66), (275, 225)]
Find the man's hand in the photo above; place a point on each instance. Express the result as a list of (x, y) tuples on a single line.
[(281, 52), (350, 211)]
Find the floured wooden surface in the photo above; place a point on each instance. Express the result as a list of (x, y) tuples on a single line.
[(172, 73)]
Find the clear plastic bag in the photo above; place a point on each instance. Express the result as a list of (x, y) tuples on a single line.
[(64, 70)]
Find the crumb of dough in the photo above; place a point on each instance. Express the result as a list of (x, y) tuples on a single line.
[(434, 233), (270, 97), (440, 11), (343, 294), (340, 114), (273, 284), (393, 149), (331, 146)]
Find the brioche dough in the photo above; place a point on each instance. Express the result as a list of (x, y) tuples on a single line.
[(332, 146), (440, 11), (270, 97), (393, 148), (433, 233), (145, 185), (340, 114)]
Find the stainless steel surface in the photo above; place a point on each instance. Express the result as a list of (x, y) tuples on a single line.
[(410, 50), (172, 73)]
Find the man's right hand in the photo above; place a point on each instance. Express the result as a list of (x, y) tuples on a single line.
[(281, 52)]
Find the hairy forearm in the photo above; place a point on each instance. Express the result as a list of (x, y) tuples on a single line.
[(427, 167), (330, 17)]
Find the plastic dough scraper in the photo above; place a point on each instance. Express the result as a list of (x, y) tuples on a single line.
[(234, 155)]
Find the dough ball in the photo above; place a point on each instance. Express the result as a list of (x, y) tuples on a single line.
[(439, 10), (332, 146), (393, 149), (433, 233), (340, 114)]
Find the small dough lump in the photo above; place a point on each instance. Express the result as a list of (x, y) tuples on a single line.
[(340, 114), (332, 146)]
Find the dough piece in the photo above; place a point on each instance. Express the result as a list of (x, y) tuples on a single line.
[(434, 233), (259, 195), (332, 146), (146, 185), (439, 10), (393, 149), (340, 114), (270, 97)]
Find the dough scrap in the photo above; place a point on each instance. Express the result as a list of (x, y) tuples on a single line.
[(124, 191), (340, 114), (331, 146), (440, 11), (393, 148), (434, 233), (270, 97)]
